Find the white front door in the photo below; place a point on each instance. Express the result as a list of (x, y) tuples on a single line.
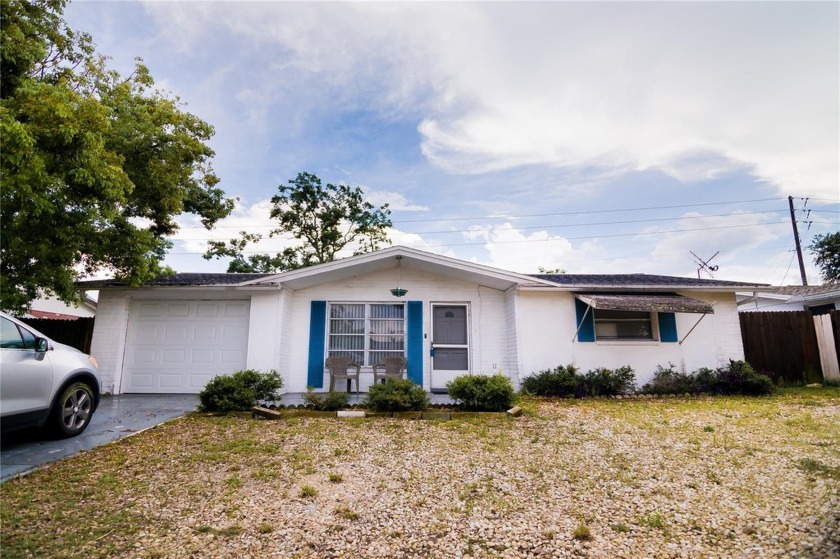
[(176, 347), (450, 344)]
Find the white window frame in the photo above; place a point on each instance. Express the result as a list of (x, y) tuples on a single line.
[(368, 361)]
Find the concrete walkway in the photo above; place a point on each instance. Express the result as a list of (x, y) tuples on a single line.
[(116, 417)]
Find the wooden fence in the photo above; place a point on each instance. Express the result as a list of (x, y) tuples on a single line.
[(787, 345), (77, 333)]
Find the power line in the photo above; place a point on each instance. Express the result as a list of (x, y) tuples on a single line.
[(585, 236), (531, 227), (586, 212), (556, 214)]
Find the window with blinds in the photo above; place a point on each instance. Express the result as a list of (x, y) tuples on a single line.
[(366, 332)]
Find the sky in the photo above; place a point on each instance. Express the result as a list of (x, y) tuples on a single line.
[(592, 137)]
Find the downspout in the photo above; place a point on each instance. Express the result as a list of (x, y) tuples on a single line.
[(749, 300)]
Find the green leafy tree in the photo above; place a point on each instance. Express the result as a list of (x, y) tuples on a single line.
[(826, 251), (326, 219), (95, 166)]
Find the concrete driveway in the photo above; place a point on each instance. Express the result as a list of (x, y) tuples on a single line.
[(116, 417)]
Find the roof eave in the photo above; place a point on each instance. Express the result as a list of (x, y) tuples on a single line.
[(622, 287)]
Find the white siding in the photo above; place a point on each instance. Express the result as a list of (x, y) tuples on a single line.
[(53, 305)]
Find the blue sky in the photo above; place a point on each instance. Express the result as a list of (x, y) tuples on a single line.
[(591, 136)]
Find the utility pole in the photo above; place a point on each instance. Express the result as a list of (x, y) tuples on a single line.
[(796, 240)]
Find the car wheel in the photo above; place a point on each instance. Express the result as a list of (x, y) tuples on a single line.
[(73, 410)]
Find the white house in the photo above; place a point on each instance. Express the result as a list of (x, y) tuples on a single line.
[(50, 307), (818, 299), (451, 317)]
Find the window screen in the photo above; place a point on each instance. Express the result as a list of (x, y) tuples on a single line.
[(367, 332)]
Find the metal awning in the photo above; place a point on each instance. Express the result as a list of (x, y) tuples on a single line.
[(648, 302)]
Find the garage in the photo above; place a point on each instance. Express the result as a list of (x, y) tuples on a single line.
[(176, 347)]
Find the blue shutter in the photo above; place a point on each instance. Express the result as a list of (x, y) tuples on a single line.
[(317, 339), (586, 333), (414, 334), (668, 327)]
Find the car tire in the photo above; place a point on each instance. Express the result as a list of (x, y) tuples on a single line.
[(73, 410)]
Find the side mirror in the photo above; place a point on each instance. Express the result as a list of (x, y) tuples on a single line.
[(41, 345)]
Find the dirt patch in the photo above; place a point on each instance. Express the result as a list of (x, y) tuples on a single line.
[(663, 478)]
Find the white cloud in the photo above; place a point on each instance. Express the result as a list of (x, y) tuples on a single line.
[(510, 249), (694, 89), (706, 235), (395, 201)]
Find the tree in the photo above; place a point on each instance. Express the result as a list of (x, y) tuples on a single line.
[(552, 271), (327, 219), (95, 166), (826, 251)]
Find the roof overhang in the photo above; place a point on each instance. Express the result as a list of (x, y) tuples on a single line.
[(648, 302), (410, 260)]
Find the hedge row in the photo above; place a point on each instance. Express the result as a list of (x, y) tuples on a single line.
[(736, 378), (243, 389)]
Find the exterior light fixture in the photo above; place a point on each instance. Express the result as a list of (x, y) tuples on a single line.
[(399, 291)]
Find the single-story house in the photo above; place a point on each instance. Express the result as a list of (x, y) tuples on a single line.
[(50, 307), (446, 316), (819, 299)]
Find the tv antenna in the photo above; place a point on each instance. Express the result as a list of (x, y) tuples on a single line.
[(704, 264)]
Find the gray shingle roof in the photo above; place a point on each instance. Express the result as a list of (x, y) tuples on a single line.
[(578, 281), (806, 290), (180, 280), (636, 280)]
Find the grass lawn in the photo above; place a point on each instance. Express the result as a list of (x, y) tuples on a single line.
[(701, 477)]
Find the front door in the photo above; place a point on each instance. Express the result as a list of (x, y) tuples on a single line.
[(450, 344)]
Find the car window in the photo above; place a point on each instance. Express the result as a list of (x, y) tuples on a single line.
[(10, 336), (28, 338)]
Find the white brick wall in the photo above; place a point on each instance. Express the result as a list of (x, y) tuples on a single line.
[(512, 368), (108, 342), (517, 332), (547, 338), (488, 333)]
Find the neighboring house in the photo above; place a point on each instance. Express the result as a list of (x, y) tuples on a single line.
[(174, 334), (50, 307), (819, 299)]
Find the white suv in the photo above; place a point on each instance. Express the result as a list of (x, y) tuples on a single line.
[(44, 382)]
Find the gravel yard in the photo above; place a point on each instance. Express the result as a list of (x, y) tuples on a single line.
[(722, 477)]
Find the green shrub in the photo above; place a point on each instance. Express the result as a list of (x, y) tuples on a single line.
[(397, 395), (608, 382), (739, 378), (559, 382), (332, 401), (482, 392), (670, 381), (240, 391)]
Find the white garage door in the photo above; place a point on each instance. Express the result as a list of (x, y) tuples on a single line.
[(178, 346)]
